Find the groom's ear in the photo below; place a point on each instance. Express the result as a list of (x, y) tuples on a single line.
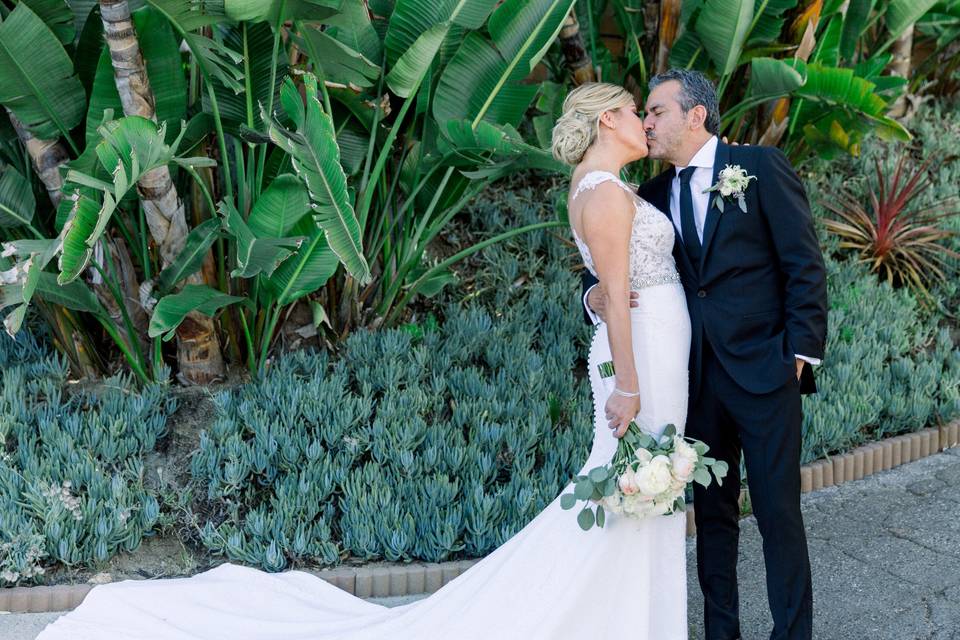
[(697, 117)]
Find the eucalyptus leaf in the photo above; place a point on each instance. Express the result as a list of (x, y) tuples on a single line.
[(586, 519)]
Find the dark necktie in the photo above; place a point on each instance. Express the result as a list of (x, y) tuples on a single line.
[(687, 226)]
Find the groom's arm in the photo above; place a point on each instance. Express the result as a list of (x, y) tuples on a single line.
[(783, 201), (588, 282)]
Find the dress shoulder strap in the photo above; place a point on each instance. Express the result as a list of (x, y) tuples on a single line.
[(593, 178)]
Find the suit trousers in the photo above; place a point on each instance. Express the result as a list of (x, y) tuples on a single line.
[(767, 430)]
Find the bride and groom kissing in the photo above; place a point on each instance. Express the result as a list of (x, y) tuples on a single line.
[(754, 285), (707, 288)]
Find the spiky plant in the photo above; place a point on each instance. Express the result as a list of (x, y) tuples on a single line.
[(901, 240)]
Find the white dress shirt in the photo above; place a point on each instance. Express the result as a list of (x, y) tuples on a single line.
[(700, 181)]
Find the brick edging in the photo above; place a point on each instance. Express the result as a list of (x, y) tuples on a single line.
[(427, 577)]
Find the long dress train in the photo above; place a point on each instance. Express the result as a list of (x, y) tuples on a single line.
[(551, 581)]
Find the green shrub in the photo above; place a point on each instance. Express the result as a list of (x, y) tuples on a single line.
[(413, 443), (71, 465), (888, 368)]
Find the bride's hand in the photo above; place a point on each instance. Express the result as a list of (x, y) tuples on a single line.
[(620, 411), (734, 144)]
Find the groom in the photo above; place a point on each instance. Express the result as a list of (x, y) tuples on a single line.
[(756, 292)]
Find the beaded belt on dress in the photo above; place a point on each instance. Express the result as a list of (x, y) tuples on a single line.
[(652, 281)]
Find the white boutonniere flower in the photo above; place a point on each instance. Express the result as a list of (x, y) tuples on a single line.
[(732, 183)]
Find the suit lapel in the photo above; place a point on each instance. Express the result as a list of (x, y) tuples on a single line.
[(721, 159)]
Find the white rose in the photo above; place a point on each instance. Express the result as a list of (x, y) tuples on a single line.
[(613, 504), (655, 478), (627, 483), (683, 467), (685, 449), (643, 456), (661, 508), (638, 506)]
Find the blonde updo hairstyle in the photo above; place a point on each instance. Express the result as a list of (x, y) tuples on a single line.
[(579, 126)]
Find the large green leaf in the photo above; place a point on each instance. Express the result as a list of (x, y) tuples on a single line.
[(17, 204), (483, 79), (129, 147), (191, 257), (503, 143), (254, 255), (903, 13), (89, 44), (688, 52), (255, 42), (279, 207), (37, 79), (769, 18), (771, 78), (827, 50), (161, 54), (408, 72), (854, 22), (308, 269), (316, 159), (280, 11), (87, 222), (172, 309), (215, 59), (76, 295), (723, 26), (57, 15), (353, 27), (339, 62), (836, 88), (412, 18), (190, 15)]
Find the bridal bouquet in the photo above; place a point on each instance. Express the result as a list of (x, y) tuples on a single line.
[(648, 475)]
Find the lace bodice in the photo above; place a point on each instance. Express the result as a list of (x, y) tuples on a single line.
[(651, 240)]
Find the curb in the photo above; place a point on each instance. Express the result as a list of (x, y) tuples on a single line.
[(426, 577)]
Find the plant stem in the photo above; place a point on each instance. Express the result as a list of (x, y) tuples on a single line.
[(131, 359)]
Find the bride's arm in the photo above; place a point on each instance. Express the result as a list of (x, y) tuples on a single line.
[(607, 225)]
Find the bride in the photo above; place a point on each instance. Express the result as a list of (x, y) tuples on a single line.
[(551, 581)]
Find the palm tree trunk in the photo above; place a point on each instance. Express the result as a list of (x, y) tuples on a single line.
[(198, 348), (47, 157), (669, 27), (902, 51), (575, 52)]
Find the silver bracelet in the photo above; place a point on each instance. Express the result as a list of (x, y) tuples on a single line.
[(625, 394)]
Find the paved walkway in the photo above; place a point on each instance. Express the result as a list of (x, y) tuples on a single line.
[(885, 553)]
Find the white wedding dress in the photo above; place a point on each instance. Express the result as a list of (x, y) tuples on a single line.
[(551, 581)]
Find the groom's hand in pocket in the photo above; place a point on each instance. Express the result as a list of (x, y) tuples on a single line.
[(597, 300)]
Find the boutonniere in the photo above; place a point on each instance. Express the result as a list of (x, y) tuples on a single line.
[(732, 183)]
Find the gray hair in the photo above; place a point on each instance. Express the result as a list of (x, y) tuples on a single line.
[(695, 89)]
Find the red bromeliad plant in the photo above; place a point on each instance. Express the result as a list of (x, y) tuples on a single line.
[(902, 241)]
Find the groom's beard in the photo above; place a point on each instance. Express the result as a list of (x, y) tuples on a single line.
[(656, 150), (660, 151)]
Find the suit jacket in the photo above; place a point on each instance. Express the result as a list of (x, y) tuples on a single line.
[(759, 293)]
